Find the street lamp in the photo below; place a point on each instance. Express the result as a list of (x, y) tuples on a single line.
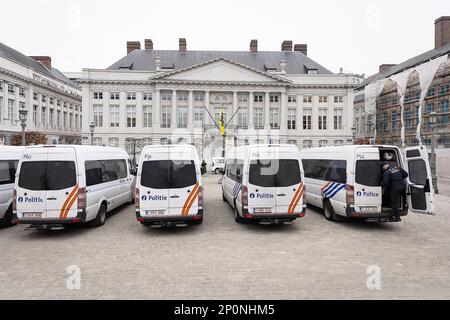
[(23, 122), (92, 128), (354, 134), (432, 118)]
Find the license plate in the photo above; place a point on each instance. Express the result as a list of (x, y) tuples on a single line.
[(368, 209), (32, 215), (151, 213), (262, 210)]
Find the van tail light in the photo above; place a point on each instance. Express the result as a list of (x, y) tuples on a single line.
[(244, 196), (200, 197), (14, 202), (137, 198), (350, 195), (82, 199)]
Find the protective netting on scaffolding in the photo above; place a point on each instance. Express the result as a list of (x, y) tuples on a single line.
[(426, 71)]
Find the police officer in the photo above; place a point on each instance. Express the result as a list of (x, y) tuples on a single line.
[(394, 182)]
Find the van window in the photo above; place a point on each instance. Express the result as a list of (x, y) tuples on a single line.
[(103, 171), (47, 175), (286, 172), (234, 170), (168, 174), (7, 171), (368, 173), (326, 170), (417, 171)]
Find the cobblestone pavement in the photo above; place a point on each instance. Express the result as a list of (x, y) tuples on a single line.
[(220, 259)]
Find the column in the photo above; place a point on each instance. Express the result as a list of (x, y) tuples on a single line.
[(156, 110), (250, 110), (330, 113), (315, 113), (174, 109), (191, 110), (283, 112), (139, 115), (234, 107), (106, 111), (267, 111), (299, 119), (208, 120), (4, 111)]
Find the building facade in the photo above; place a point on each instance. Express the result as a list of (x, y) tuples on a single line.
[(53, 101), (163, 97), (404, 112)]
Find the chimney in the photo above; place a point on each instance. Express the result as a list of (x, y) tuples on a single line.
[(254, 46), (182, 45), (46, 61), (442, 31), (133, 45), (148, 43), (286, 45), (385, 67), (303, 48)]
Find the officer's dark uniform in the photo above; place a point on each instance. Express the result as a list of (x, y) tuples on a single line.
[(394, 183)]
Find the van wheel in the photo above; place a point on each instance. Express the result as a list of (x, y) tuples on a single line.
[(7, 220), (217, 171), (330, 215), (223, 197), (100, 218), (237, 217)]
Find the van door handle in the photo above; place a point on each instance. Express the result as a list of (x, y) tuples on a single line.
[(174, 197), (52, 199), (281, 195)]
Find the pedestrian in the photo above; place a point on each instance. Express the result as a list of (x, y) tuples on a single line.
[(393, 182), (203, 166)]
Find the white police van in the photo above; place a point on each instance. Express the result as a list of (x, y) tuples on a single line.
[(346, 181), (264, 183), (218, 165), (58, 185), (169, 189), (9, 160)]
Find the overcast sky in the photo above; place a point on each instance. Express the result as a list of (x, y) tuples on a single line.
[(355, 35)]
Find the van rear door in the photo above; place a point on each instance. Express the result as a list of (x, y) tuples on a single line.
[(290, 187), (367, 184), (184, 183), (62, 186), (262, 188), (420, 187), (154, 183), (32, 185)]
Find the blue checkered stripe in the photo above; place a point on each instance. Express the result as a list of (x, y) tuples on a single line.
[(236, 189), (330, 191)]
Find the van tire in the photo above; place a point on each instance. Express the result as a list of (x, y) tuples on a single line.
[(100, 218), (7, 220), (223, 197), (329, 212), (217, 171), (237, 217)]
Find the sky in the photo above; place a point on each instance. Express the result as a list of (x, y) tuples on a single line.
[(354, 35)]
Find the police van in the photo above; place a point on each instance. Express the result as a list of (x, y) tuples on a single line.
[(264, 183), (346, 181), (58, 185), (9, 160), (169, 189)]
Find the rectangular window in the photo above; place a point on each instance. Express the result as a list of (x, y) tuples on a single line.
[(292, 118), (292, 98), (98, 115), (47, 175), (322, 119), (243, 98), (98, 95), (183, 97), (103, 171), (58, 116), (166, 117), (242, 118), (182, 117), (114, 116), (338, 99), (258, 98), (43, 117), (326, 170), (166, 97), (199, 97), (115, 96), (307, 99), (11, 110), (7, 171), (273, 98), (198, 117), (323, 99), (394, 120), (258, 118), (35, 96), (338, 115), (274, 118), (113, 142), (307, 119), (147, 96), (168, 174), (261, 173), (372, 166), (131, 96), (11, 89), (131, 116), (22, 92), (307, 144), (51, 118), (147, 116)]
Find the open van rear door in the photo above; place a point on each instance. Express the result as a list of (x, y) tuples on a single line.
[(420, 187)]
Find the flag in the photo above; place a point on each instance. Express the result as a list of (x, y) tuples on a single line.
[(221, 124)]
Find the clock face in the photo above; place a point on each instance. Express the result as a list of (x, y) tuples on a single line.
[(388, 156)]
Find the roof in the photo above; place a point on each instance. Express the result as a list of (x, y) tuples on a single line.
[(417, 60), (20, 58), (144, 60)]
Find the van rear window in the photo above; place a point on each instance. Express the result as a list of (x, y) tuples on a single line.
[(7, 171), (368, 173), (47, 175), (274, 173), (168, 174)]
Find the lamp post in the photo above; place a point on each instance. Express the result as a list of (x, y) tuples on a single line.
[(354, 134), (92, 128), (432, 117), (23, 122)]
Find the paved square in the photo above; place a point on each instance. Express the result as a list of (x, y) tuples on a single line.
[(220, 259)]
